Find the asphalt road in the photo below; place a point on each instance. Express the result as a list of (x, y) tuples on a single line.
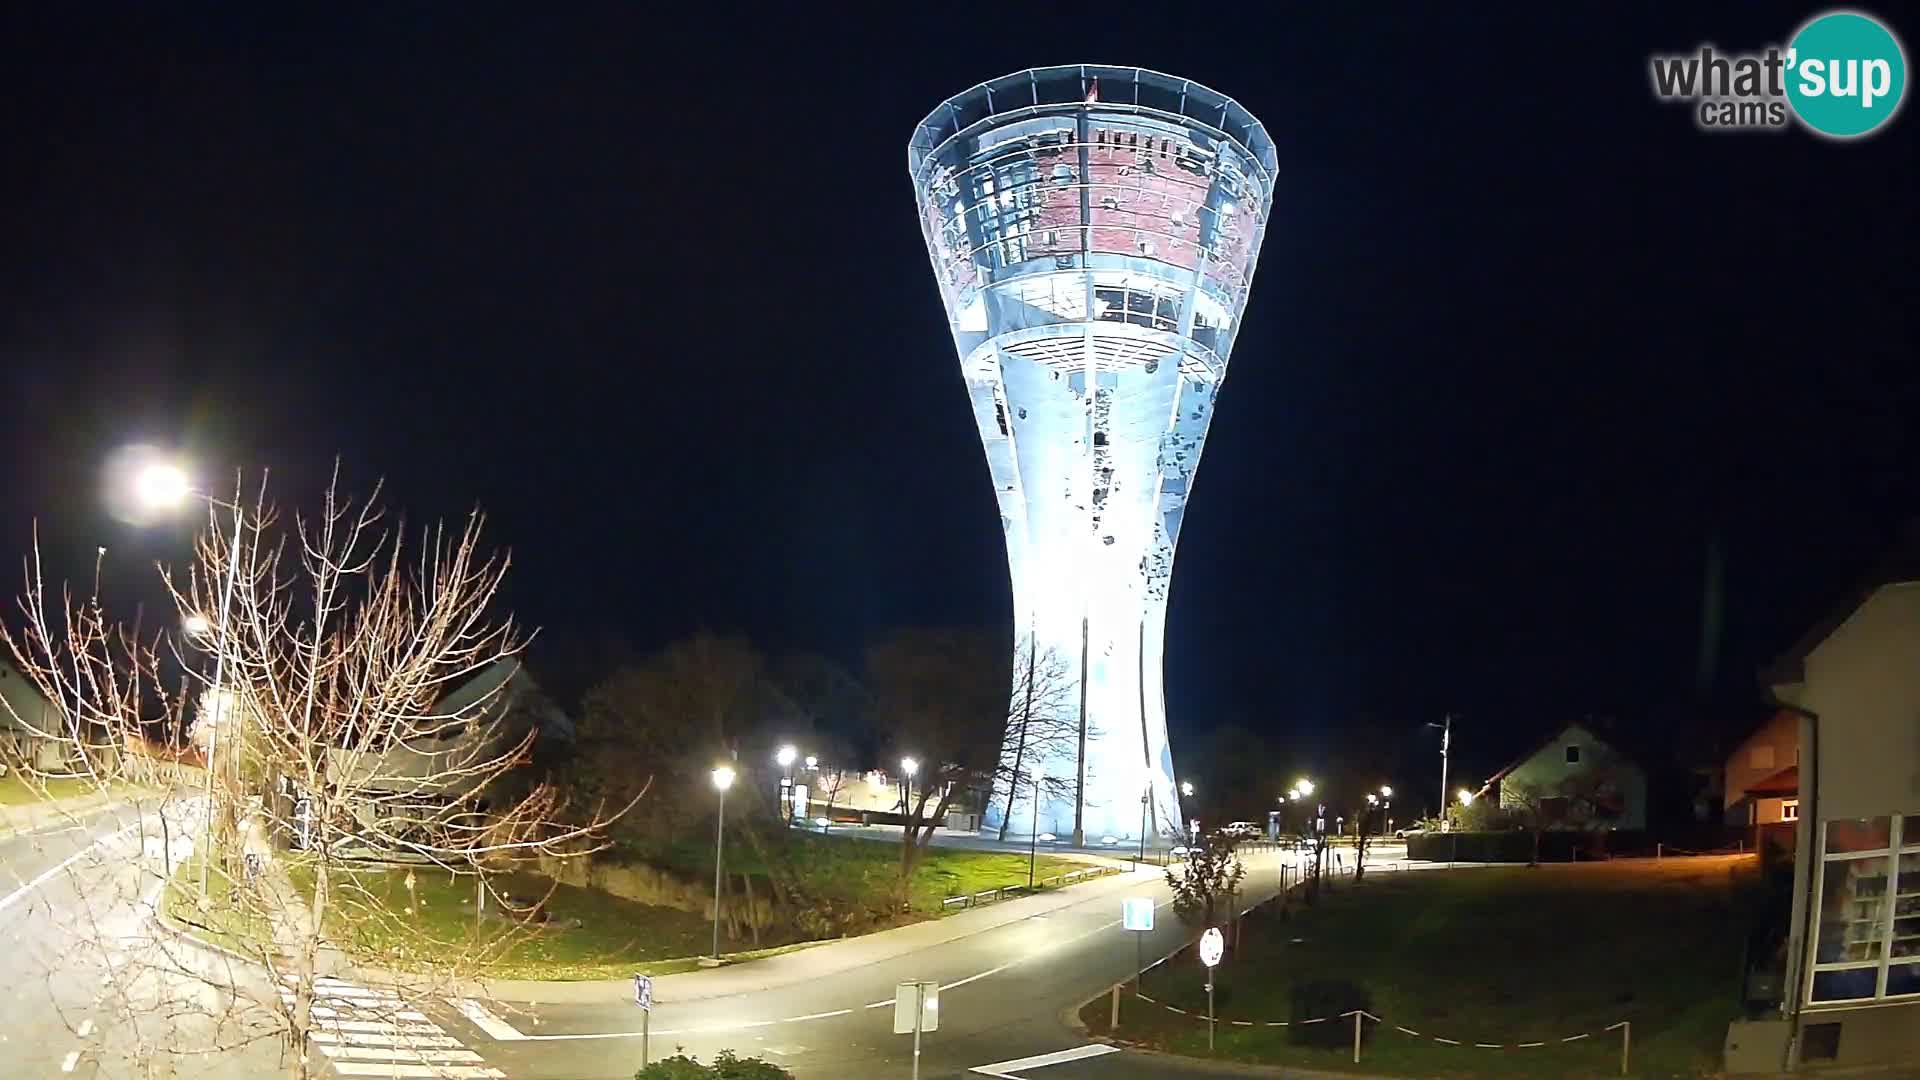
[(1005, 996), (90, 988), (87, 989)]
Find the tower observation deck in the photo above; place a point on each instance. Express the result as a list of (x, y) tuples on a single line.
[(1094, 231)]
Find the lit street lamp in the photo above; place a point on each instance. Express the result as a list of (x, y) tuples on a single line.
[(722, 780), (1303, 787), (164, 486), (1186, 788), (785, 757), (1386, 814), (908, 766)]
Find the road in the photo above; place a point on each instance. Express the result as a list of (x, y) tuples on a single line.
[(1005, 995), (87, 988), (91, 988)]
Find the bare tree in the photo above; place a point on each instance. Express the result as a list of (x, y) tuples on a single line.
[(1536, 807), (365, 705), (1040, 726)]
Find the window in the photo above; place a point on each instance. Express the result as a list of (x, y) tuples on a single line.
[(1867, 945), (1573, 755), (1760, 757), (1789, 809)]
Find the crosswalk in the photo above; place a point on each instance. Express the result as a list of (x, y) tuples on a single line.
[(366, 1032)]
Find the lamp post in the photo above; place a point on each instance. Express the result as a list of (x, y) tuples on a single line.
[(1186, 792), (1146, 794), (1386, 812), (164, 487), (722, 780), (908, 767), (1446, 744), (1033, 840), (785, 758)]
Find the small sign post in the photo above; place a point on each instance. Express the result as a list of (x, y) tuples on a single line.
[(1136, 914), (643, 997), (1212, 947), (916, 1008)]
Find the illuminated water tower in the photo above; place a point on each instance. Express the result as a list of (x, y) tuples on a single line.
[(1094, 231)]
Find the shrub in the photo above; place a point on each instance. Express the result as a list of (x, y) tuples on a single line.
[(725, 1067)]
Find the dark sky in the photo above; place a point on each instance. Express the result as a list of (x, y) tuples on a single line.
[(652, 291)]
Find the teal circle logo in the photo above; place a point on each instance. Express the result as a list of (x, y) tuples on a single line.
[(1846, 74)]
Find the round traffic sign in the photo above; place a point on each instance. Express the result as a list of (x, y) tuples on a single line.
[(1212, 946)]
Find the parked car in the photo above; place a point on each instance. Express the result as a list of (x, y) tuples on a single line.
[(1242, 830)]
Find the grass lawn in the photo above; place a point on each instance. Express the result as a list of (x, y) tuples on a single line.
[(854, 866), (590, 934), (222, 922), (15, 791), (1496, 955)]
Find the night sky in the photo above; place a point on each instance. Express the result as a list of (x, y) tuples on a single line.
[(1523, 342)]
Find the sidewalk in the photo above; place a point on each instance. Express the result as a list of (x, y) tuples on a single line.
[(33, 817)]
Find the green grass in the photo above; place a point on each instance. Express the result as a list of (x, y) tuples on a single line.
[(593, 935), (847, 866), (17, 791), (224, 920), (1497, 955), (588, 935)]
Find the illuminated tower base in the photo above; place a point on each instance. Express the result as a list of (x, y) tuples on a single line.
[(1094, 231)]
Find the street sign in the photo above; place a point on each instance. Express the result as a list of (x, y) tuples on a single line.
[(643, 992), (909, 997), (1212, 946), (1136, 913)]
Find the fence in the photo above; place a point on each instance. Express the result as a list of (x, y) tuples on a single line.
[(1055, 881), (1297, 879)]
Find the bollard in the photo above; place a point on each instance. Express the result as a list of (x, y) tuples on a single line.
[(1357, 1014), (1626, 1043), (1113, 1022), (1658, 851)]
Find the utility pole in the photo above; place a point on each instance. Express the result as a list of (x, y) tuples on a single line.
[(1446, 743)]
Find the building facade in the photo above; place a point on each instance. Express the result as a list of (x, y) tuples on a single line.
[(1762, 784), (1575, 779), (1853, 980), (1094, 232)]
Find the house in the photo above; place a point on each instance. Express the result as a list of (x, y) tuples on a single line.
[(1762, 776), (1576, 780), (1851, 987), (32, 727)]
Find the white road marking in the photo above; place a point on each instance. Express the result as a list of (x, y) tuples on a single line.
[(13, 897), (423, 1072), (360, 1038), (86, 1028), (67, 1063), (1005, 1069), (430, 1057), (484, 1019)]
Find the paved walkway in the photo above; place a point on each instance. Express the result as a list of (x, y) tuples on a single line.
[(36, 816)]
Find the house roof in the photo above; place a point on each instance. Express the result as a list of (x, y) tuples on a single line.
[(1899, 565), (1549, 741), (1784, 782)]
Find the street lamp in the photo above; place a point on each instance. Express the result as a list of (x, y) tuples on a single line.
[(1146, 795), (722, 780), (908, 766), (812, 762), (1386, 814), (1186, 788), (165, 486), (196, 625), (784, 757), (1303, 787)]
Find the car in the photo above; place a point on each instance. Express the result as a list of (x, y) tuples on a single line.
[(1242, 830)]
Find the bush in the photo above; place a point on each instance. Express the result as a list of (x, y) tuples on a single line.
[(724, 1067)]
